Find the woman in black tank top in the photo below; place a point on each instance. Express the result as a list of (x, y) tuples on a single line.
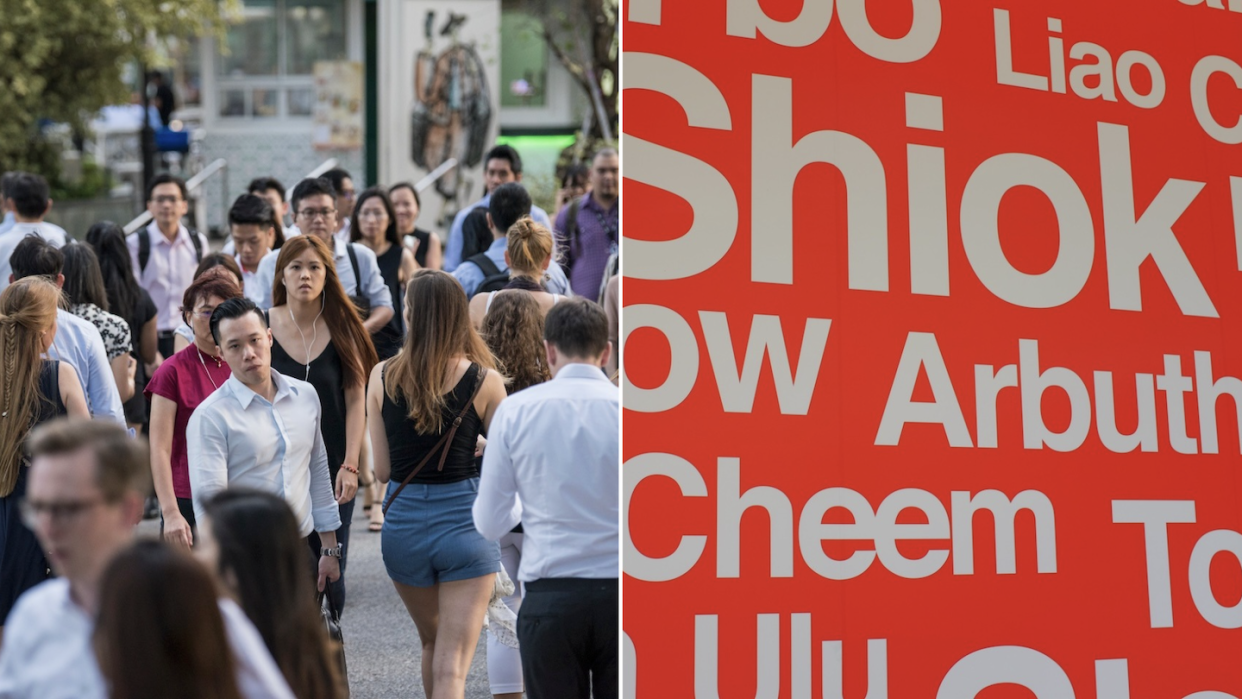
[(433, 553), (375, 225), (37, 390), (319, 338), (406, 204)]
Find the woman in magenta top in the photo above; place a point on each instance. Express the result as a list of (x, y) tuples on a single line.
[(176, 389)]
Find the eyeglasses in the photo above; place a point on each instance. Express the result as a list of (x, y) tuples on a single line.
[(166, 199), (373, 213), (312, 214), (347, 193), (32, 510)]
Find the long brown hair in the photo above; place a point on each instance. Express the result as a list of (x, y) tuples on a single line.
[(352, 340), (513, 330), (264, 557), (27, 310), (160, 631), (439, 331)]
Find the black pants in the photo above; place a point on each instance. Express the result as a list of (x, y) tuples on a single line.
[(567, 631), (342, 538), (165, 342), (186, 506)]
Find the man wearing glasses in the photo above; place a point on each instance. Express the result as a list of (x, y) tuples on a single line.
[(315, 213), (165, 255)]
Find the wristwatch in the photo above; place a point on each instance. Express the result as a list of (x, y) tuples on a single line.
[(331, 552)]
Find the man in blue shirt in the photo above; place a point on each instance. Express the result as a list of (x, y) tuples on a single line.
[(501, 166), (508, 203), (77, 341)]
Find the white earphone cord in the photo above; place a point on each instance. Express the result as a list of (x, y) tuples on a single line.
[(323, 300)]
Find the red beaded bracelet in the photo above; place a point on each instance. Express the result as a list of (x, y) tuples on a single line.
[(351, 469)]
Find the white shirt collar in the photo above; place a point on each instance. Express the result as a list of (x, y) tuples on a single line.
[(580, 371), (245, 395), (183, 234)]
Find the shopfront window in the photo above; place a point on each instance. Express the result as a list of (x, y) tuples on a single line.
[(268, 69)]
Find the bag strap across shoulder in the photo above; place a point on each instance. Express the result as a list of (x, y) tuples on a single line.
[(446, 441)]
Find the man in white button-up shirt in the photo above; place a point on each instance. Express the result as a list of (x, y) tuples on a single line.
[(552, 463), (261, 430)]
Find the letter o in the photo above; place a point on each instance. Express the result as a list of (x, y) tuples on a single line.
[(922, 38), (1125, 64), (690, 548), (1024, 667), (683, 370), (981, 231), (1204, 69), (1205, 550)]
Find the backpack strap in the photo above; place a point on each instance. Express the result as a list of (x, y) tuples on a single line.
[(197, 243), (446, 441), (485, 265), (571, 233), (144, 249), (353, 262)]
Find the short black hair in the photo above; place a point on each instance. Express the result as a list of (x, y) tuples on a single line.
[(509, 202), (252, 208), (577, 328), (310, 187), (406, 185), (35, 257), (505, 152), (6, 182), (29, 193), (167, 179), (259, 185), (231, 309), (337, 177)]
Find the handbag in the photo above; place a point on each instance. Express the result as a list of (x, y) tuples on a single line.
[(446, 441), (332, 621)]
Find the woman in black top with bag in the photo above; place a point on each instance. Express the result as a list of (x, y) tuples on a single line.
[(426, 409), (318, 337), (374, 225)]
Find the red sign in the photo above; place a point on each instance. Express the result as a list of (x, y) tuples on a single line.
[(932, 349)]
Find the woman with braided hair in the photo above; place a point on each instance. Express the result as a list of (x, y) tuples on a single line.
[(33, 390)]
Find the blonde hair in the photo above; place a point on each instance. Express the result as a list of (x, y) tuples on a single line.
[(439, 330), (530, 246), (27, 310)]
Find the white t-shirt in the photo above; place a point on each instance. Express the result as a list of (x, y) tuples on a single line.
[(47, 651)]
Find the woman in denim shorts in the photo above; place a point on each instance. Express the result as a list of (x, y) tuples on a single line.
[(443, 569)]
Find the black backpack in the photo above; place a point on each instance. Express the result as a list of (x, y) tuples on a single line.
[(493, 278), (144, 247)]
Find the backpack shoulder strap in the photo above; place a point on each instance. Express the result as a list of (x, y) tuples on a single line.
[(485, 264), (198, 244), (353, 262), (144, 249)]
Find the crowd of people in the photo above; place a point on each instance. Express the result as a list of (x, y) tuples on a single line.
[(464, 389)]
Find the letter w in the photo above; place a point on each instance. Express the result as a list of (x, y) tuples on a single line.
[(737, 395)]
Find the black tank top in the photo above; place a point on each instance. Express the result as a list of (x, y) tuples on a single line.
[(424, 239), (326, 376), (50, 405), (388, 343), (407, 446)]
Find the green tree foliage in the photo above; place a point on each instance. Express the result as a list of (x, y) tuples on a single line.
[(62, 60), (582, 34)]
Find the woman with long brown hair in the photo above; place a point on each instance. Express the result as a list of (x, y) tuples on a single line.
[(513, 330), (318, 337), (33, 390), (251, 541), (426, 409), (161, 631), (528, 253)]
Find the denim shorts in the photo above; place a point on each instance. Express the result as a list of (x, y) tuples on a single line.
[(429, 535)]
